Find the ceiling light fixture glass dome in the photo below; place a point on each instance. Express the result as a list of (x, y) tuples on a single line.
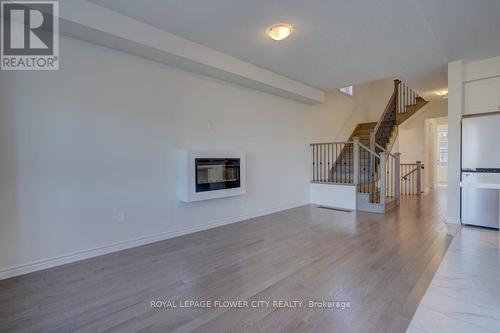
[(279, 31)]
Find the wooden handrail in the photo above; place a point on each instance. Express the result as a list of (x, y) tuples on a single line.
[(383, 149), (414, 170), (331, 143), (369, 150), (409, 173)]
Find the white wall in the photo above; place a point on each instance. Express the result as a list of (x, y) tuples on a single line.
[(347, 115), (100, 136), (372, 98), (458, 73), (414, 138)]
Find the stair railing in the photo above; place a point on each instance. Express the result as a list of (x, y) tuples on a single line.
[(370, 177), (411, 179), (351, 162), (393, 171), (374, 169), (332, 162), (401, 98), (386, 123), (406, 97)]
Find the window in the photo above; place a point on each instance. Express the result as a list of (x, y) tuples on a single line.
[(347, 90), (443, 148)]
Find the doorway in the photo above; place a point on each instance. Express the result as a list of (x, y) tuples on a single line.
[(442, 154), (436, 146)]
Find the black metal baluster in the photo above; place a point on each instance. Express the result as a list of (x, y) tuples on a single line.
[(322, 163), (322, 149), (333, 164), (346, 147), (342, 163), (352, 163), (346, 161), (318, 166), (327, 158), (333, 161), (313, 164), (317, 161), (336, 164), (329, 163)]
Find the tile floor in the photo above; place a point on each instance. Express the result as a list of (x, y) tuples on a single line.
[(464, 295)]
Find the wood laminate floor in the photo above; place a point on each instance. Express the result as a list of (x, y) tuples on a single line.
[(380, 264)]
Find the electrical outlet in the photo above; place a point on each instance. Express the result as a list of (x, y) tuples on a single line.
[(120, 217)]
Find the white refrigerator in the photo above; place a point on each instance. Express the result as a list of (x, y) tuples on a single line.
[(480, 179)]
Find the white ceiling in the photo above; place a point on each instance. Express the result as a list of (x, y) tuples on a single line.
[(336, 43)]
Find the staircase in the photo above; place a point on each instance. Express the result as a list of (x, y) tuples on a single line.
[(365, 160)]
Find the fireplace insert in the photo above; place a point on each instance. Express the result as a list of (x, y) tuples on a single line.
[(217, 174)]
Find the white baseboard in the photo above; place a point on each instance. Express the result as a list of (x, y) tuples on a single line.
[(38, 265), (452, 220)]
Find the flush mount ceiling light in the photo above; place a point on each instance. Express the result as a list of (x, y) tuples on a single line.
[(441, 92), (279, 31)]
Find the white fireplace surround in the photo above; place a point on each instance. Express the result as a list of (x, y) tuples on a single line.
[(187, 178)]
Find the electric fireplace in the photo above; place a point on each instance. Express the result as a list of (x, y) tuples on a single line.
[(214, 174), (210, 174)]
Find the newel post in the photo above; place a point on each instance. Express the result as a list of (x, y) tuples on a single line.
[(397, 177), (355, 168), (383, 176), (419, 177)]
